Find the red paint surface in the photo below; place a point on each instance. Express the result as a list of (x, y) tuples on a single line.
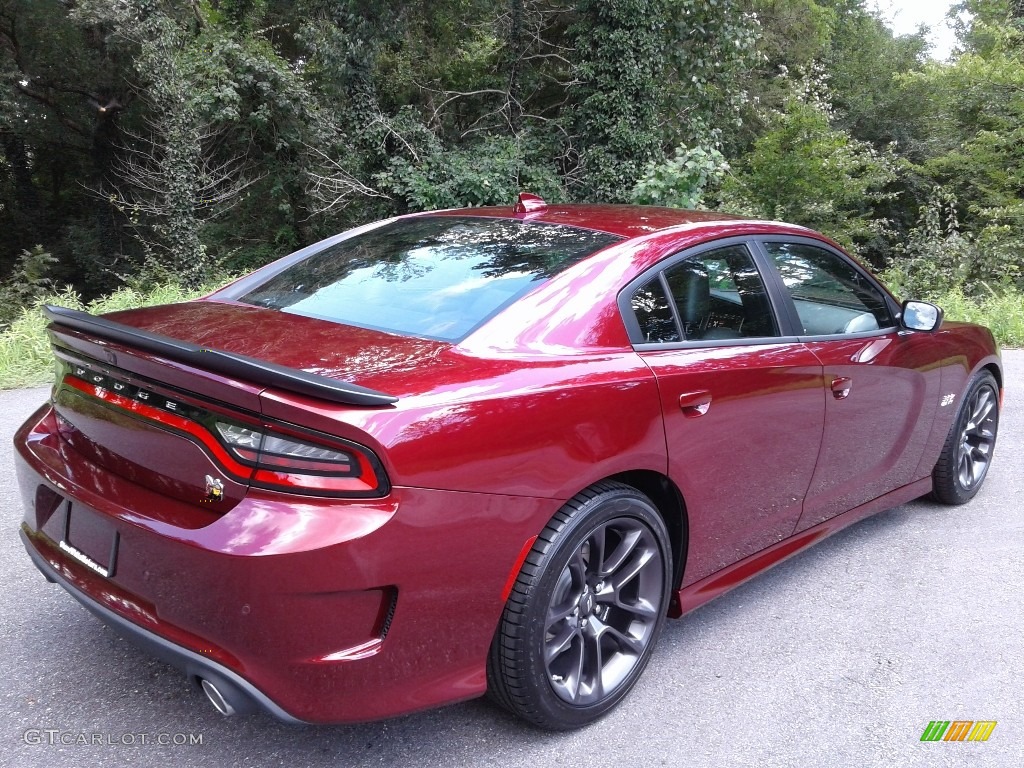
[(489, 437)]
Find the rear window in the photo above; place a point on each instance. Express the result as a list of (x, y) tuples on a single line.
[(436, 276)]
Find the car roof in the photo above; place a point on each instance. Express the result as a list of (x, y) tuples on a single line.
[(623, 220)]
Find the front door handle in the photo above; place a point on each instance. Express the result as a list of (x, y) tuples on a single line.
[(841, 386), (695, 404)]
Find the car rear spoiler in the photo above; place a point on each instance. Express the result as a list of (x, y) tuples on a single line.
[(227, 363)]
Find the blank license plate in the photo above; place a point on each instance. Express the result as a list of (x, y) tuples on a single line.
[(90, 540)]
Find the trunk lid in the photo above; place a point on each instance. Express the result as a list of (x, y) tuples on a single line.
[(369, 358), (153, 418)]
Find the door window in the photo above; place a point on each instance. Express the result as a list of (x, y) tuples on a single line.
[(712, 295), (831, 296), (654, 314)]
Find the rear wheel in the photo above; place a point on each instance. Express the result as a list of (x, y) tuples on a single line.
[(967, 452), (586, 610)]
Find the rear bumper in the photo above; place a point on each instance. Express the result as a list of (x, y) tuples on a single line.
[(244, 696), (315, 610)]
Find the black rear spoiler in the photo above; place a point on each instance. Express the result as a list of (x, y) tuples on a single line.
[(228, 363)]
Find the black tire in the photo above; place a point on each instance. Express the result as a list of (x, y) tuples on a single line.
[(585, 612), (967, 452)]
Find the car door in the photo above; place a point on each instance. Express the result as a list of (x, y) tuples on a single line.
[(743, 407), (881, 384)]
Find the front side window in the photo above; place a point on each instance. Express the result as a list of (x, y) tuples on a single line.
[(432, 276), (831, 296)]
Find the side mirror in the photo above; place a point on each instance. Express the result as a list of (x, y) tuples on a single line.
[(921, 316)]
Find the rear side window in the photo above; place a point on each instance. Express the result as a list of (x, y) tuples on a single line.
[(434, 276), (711, 296), (653, 313)]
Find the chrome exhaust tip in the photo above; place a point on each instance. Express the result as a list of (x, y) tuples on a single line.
[(219, 701)]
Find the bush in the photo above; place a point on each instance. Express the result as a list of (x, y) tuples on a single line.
[(681, 181), (1002, 312), (491, 172), (937, 258), (30, 279)]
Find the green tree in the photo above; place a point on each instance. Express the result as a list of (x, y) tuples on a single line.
[(805, 171), (862, 59), (223, 111), (63, 102), (974, 113), (653, 74)]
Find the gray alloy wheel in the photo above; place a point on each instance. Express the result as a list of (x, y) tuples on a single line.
[(967, 452), (586, 610)]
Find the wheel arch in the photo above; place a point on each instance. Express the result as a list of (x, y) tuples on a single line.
[(520, 675), (997, 374), (668, 500)]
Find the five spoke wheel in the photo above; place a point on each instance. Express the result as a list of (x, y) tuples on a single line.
[(585, 610), (604, 610), (968, 449)]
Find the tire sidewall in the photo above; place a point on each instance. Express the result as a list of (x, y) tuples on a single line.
[(603, 509)]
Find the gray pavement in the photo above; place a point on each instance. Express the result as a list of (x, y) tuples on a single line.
[(838, 657)]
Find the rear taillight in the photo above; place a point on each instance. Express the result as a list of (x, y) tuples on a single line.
[(273, 456), (290, 463)]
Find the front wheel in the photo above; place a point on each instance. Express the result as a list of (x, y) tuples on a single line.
[(585, 612), (967, 452)]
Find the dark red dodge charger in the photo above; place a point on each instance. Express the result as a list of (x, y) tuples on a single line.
[(485, 450)]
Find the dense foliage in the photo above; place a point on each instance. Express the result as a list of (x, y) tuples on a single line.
[(147, 141)]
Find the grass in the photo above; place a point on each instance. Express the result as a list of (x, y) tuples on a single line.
[(1003, 313), (26, 360), (25, 356)]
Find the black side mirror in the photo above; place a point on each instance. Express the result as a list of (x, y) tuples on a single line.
[(921, 316)]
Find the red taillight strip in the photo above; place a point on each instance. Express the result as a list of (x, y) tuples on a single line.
[(366, 483), (191, 428)]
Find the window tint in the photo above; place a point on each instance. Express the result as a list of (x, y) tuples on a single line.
[(720, 295), (434, 276), (830, 295), (654, 314), (717, 294)]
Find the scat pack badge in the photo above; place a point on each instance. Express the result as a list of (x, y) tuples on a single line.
[(214, 489)]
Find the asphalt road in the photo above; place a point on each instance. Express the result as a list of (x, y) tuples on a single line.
[(838, 657)]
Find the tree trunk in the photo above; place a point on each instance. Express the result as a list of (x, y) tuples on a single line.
[(103, 151), (21, 170), (517, 46)]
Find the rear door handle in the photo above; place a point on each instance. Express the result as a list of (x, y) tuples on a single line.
[(841, 386), (694, 404)]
